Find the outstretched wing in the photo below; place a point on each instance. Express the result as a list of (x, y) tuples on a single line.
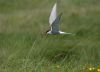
[(53, 14), (55, 25)]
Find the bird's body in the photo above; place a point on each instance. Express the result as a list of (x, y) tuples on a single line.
[(55, 26), (59, 32), (54, 22)]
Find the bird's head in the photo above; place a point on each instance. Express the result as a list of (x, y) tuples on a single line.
[(47, 31)]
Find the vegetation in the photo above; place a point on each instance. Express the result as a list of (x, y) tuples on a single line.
[(25, 48)]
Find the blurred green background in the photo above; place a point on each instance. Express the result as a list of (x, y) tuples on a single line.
[(25, 48)]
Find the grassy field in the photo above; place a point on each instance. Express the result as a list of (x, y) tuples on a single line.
[(24, 48)]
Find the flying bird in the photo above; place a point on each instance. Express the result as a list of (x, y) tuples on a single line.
[(54, 22)]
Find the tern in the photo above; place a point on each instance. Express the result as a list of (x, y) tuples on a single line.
[(54, 22)]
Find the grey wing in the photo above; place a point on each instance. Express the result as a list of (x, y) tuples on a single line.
[(55, 25)]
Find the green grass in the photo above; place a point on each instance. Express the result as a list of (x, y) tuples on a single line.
[(24, 47)]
